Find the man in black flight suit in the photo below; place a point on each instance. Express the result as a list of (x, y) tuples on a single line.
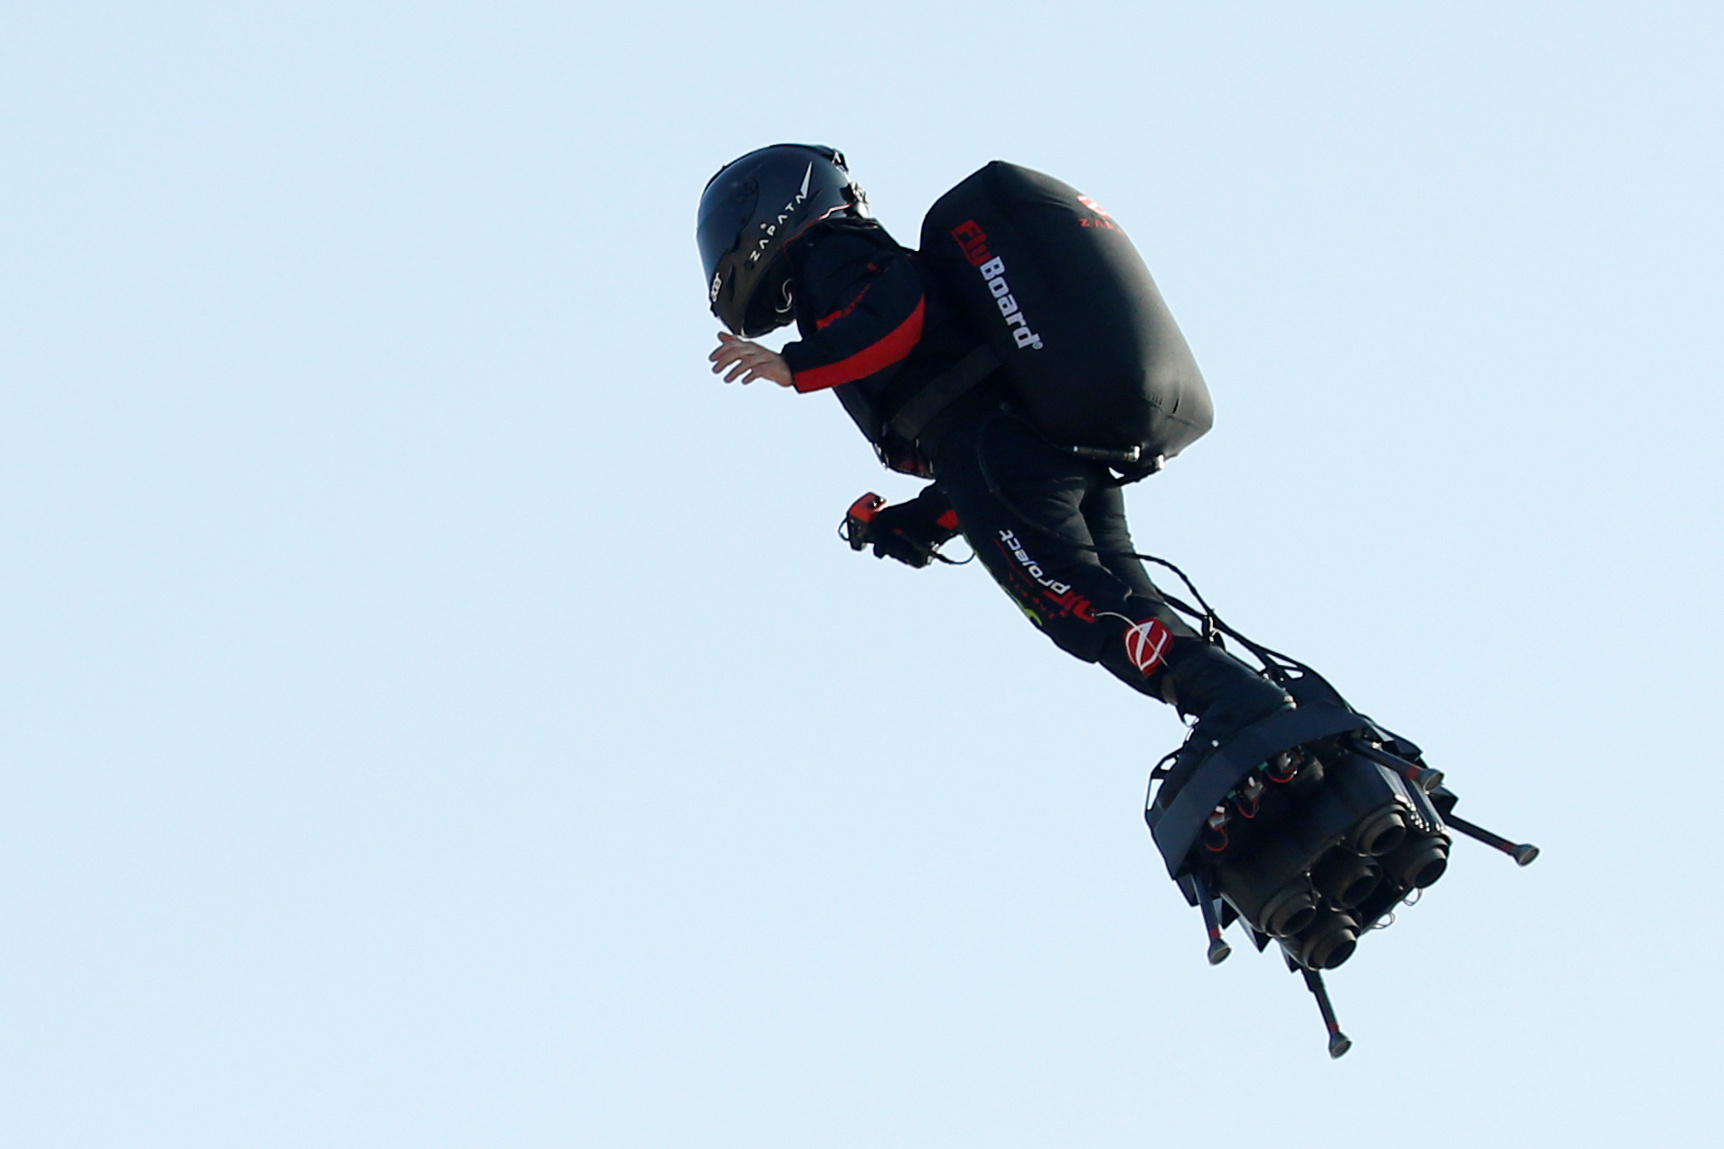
[(785, 235)]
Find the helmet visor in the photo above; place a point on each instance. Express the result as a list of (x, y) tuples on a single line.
[(725, 210)]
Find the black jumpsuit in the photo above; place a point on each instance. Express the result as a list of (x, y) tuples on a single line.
[(1048, 526)]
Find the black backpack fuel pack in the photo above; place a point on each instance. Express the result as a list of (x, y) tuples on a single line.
[(1066, 306)]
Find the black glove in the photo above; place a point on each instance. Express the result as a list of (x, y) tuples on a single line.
[(911, 532)]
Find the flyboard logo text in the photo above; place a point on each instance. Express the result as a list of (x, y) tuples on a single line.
[(974, 241)]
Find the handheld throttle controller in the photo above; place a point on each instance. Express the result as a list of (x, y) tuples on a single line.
[(859, 520)]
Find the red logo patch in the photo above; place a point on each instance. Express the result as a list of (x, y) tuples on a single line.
[(1103, 219), (974, 241), (1146, 644)]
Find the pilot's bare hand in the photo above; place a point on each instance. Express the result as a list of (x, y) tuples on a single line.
[(749, 361)]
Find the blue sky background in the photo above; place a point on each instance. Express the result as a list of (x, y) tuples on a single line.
[(438, 713)]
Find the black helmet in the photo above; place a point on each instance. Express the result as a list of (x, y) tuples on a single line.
[(749, 213)]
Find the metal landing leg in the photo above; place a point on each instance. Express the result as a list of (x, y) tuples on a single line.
[(1339, 1042), (1218, 949), (1523, 853)]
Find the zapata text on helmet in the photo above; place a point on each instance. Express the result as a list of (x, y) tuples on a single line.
[(771, 229), (974, 241)]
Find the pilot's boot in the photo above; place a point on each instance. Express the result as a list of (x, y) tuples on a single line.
[(1223, 693)]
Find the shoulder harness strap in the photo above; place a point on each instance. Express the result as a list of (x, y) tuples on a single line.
[(946, 388)]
